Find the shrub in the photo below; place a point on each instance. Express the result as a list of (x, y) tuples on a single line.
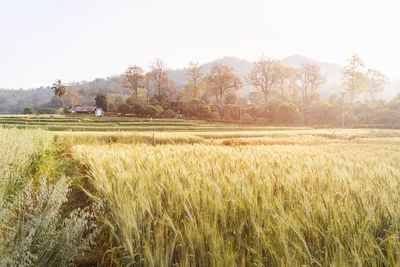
[(205, 111), (227, 117), (232, 111), (47, 111), (262, 120), (66, 110), (137, 109), (169, 113), (44, 238), (123, 108), (29, 110), (246, 118), (154, 110), (215, 115)]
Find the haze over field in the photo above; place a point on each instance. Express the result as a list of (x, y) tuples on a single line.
[(81, 40), (199, 133)]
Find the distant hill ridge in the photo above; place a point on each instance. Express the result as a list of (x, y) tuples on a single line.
[(16, 100)]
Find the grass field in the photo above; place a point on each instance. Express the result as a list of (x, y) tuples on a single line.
[(210, 196)]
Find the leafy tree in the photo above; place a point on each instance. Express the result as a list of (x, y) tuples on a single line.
[(221, 80), (101, 101), (354, 79), (113, 102), (60, 90), (264, 76)]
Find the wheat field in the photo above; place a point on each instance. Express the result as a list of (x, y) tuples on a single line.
[(262, 205), (323, 197)]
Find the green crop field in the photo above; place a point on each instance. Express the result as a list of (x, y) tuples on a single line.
[(137, 192)]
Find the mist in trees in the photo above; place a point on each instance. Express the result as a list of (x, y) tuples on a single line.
[(280, 94)]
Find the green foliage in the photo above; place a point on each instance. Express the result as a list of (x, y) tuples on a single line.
[(123, 108), (34, 228), (66, 110), (169, 113), (29, 110), (101, 102)]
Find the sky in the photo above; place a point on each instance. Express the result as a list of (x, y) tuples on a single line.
[(74, 40)]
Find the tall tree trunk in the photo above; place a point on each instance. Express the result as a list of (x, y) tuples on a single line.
[(220, 104), (265, 99)]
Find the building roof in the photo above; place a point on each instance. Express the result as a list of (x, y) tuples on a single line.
[(83, 109)]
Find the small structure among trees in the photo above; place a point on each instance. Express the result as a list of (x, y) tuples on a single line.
[(78, 109), (99, 112)]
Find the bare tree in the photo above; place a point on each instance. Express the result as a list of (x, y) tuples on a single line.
[(354, 80), (147, 84), (160, 79), (196, 84), (285, 75), (310, 80), (376, 82), (133, 79), (264, 76), (222, 79)]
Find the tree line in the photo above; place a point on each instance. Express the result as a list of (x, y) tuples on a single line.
[(283, 94)]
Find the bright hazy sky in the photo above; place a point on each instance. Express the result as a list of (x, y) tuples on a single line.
[(74, 40)]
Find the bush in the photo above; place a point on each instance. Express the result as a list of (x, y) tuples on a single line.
[(232, 111), (169, 113), (288, 113), (254, 110), (227, 117), (215, 115), (44, 238), (154, 110), (47, 111), (205, 111), (66, 110), (246, 118), (159, 109), (29, 110), (123, 108), (262, 120), (137, 109)]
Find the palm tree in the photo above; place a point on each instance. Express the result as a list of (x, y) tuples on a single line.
[(60, 90)]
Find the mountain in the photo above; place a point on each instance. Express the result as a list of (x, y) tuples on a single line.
[(331, 71), (242, 67)]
